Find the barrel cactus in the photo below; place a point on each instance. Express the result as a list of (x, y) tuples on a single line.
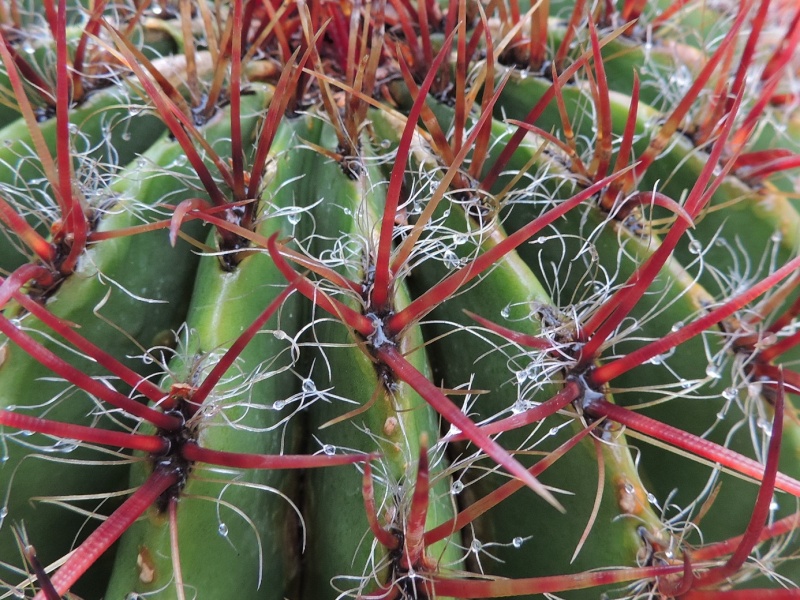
[(399, 299)]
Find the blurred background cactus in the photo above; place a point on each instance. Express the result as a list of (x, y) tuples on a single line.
[(393, 299)]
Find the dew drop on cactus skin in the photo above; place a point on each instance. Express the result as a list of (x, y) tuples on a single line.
[(451, 259), (695, 247)]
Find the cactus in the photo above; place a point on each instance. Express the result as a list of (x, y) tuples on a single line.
[(399, 300)]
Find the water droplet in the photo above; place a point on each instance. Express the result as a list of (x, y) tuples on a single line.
[(386, 144), (476, 546), (765, 426), (451, 259), (695, 247), (141, 162), (678, 326), (3, 513), (457, 487), (134, 110), (629, 489), (776, 236), (517, 542), (8, 143), (522, 376), (28, 48), (523, 74), (651, 498), (278, 404), (73, 128), (554, 431), (126, 136), (460, 239), (223, 530), (329, 449), (730, 393), (309, 386), (773, 506), (280, 335), (656, 360), (293, 218), (505, 312), (713, 372), (26, 432)]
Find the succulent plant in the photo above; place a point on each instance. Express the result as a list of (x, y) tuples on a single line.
[(399, 300)]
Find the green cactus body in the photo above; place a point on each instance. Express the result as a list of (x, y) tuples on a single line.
[(254, 519), (445, 340), (126, 298), (388, 416)]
